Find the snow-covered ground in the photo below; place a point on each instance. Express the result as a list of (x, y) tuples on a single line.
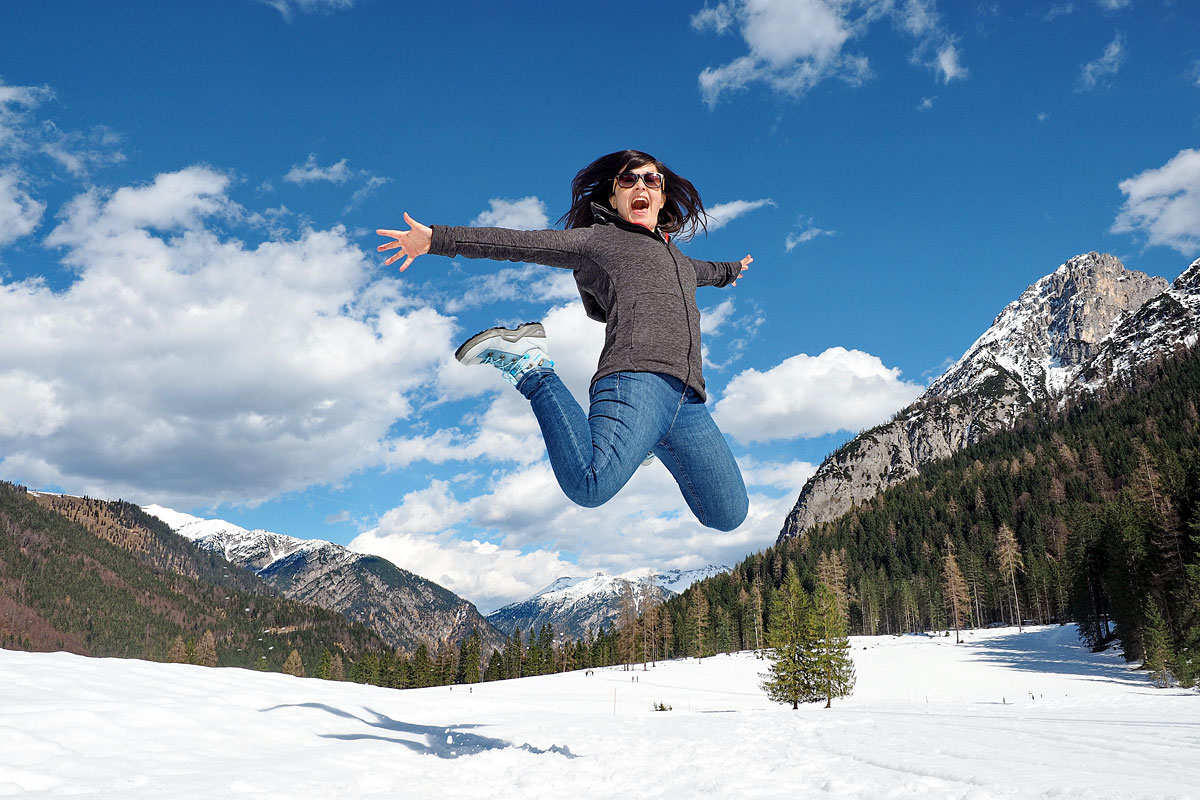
[(1003, 715)]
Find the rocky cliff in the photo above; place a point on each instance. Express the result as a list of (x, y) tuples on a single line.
[(1079, 327)]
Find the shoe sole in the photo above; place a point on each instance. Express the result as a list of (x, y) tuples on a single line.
[(527, 330)]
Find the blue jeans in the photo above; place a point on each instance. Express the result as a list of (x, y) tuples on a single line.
[(633, 414)]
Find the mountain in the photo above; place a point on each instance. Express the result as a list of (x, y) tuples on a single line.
[(405, 609), (1088, 323), (576, 605), (104, 579)]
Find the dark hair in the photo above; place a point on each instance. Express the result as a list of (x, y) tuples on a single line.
[(682, 212)]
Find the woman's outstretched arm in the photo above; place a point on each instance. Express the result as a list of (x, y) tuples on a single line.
[(411, 243)]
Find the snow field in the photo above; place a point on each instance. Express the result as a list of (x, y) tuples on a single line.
[(1004, 715)]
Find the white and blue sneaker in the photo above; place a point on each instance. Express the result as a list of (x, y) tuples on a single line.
[(514, 351)]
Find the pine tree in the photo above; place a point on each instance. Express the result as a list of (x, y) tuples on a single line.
[(294, 665), (206, 650), (1008, 555), (831, 668), (699, 622), (472, 656), (954, 588), (177, 653), (325, 668), (627, 625), (1156, 642), (789, 641)]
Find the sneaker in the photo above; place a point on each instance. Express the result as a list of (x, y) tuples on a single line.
[(514, 351)]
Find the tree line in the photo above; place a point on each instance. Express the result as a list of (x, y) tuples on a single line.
[(1086, 513)]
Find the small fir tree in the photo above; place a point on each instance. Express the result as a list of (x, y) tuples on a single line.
[(206, 650), (830, 664), (789, 644), (1156, 641), (177, 652), (294, 665)]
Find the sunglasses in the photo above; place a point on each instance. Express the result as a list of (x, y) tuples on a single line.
[(652, 180)]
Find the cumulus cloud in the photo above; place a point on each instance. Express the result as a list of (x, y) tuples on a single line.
[(1164, 204), (20, 212), (529, 525), (796, 44), (807, 396), (722, 214), (528, 214), (1094, 74), (189, 367)]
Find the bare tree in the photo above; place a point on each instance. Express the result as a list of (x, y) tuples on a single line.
[(1008, 554), (955, 589)]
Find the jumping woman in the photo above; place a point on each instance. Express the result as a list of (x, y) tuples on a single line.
[(647, 396)]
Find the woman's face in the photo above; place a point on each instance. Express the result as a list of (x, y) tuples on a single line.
[(638, 204)]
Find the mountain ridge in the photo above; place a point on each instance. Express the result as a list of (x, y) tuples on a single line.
[(1088, 322), (406, 609), (575, 606)]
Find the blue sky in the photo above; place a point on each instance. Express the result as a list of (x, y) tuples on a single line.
[(192, 312)]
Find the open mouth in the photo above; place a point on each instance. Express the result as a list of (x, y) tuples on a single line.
[(640, 204)]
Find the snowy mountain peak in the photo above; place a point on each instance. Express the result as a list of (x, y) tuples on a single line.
[(404, 608), (1084, 325), (575, 604), (1043, 338), (1189, 281)]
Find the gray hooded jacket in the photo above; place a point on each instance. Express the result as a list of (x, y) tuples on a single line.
[(641, 286)]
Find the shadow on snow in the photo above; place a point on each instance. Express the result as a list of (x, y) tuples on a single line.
[(443, 742), (1055, 651)]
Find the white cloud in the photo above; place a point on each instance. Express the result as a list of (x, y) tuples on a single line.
[(1114, 5), (784, 476), (191, 368), (796, 44), (1164, 204), (1093, 74), (23, 135), (948, 65), (722, 214), (806, 396), (289, 8), (805, 231), (531, 525), (311, 172), (528, 214), (20, 212)]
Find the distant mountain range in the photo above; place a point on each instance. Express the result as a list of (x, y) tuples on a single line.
[(402, 607), (576, 605), (1087, 324)]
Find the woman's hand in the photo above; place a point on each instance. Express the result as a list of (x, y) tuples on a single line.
[(411, 243), (746, 262)]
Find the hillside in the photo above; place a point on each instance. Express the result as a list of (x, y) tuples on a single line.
[(105, 579), (405, 609)]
